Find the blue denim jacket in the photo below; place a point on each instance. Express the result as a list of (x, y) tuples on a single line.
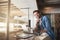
[(46, 24)]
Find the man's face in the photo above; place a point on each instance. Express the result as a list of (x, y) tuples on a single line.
[(37, 15)]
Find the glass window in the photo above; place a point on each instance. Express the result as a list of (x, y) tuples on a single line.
[(3, 19)]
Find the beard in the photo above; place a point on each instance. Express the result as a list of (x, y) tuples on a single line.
[(38, 17)]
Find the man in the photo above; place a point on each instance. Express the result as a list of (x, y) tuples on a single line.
[(43, 24)]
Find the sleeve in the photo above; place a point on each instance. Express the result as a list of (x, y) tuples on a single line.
[(47, 23), (48, 27)]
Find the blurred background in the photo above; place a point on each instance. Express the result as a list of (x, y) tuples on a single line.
[(17, 15)]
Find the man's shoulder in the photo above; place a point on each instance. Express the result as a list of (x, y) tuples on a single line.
[(43, 17)]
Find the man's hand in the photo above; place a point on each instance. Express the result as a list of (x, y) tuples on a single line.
[(37, 21)]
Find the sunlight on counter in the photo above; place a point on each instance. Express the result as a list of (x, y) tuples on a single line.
[(12, 27)]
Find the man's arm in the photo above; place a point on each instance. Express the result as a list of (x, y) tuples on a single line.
[(47, 23)]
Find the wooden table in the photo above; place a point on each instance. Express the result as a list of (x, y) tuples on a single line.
[(24, 37)]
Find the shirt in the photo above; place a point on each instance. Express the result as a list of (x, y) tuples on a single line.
[(46, 24)]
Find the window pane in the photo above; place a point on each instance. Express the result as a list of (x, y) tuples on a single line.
[(3, 19)]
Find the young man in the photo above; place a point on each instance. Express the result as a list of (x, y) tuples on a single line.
[(43, 24)]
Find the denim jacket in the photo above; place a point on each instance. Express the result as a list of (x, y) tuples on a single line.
[(46, 24)]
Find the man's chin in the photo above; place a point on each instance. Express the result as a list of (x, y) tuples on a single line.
[(37, 17)]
